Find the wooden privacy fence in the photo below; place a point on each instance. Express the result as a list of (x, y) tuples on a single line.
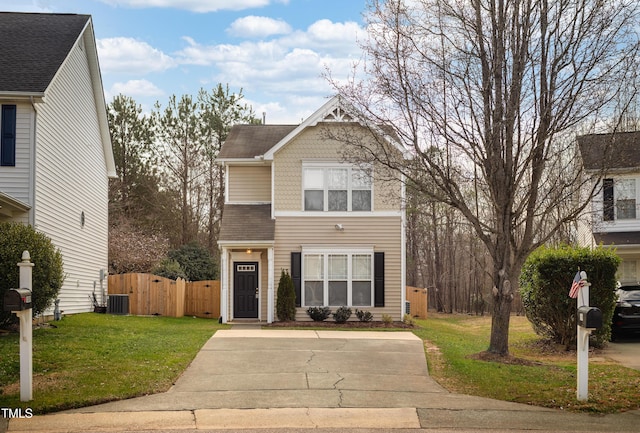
[(202, 299), (153, 295), (417, 299)]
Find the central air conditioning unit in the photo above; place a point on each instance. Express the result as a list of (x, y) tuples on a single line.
[(118, 304)]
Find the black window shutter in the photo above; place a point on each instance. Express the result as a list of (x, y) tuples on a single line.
[(8, 136), (296, 276), (607, 200), (378, 272)]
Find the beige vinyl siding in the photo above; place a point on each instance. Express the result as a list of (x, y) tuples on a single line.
[(71, 178), (249, 184), (15, 181), (312, 145), (382, 233)]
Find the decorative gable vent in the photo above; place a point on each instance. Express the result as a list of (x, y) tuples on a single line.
[(338, 115)]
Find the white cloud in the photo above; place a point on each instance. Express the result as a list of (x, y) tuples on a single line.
[(132, 88), (201, 6), (131, 56), (24, 6), (286, 64), (258, 27)]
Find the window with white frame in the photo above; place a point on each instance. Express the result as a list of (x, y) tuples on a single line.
[(625, 196), (336, 188), (337, 278), (619, 199), (627, 271)]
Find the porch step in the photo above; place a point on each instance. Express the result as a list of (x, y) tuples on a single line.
[(246, 324)]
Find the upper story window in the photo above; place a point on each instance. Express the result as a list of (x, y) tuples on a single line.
[(8, 136), (336, 188), (619, 199)]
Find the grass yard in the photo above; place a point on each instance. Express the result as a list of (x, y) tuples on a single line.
[(93, 358), (538, 375)]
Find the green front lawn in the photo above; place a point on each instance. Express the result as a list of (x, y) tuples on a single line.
[(538, 374), (91, 358)]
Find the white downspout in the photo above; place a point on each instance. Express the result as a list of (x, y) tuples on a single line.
[(270, 293), (224, 281)]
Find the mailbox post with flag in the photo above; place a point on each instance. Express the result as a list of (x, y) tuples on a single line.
[(588, 319)]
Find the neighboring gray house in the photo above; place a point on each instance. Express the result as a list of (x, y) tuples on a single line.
[(615, 215), (55, 149), (292, 202)]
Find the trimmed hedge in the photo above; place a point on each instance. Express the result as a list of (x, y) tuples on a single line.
[(47, 274), (545, 282)]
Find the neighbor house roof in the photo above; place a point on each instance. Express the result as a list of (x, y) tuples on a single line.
[(618, 238), (33, 48), (251, 141), (611, 151), (247, 222)]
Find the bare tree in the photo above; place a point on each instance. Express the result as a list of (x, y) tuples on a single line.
[(488, 94)]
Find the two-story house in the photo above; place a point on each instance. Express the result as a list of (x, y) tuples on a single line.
[(292, 201), (55, 149), (615, 215)]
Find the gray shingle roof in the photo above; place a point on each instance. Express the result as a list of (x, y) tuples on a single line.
[(618, 238), (249, 141), (618, 151), (247, 222), (33, 46)]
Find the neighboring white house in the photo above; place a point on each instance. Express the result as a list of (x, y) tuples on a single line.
[(615, 215), (55, 152), (293, 202)]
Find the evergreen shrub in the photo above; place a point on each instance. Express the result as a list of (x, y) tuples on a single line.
[(168, 268), (319, 314), (545, 282), (364, 316), (47, 274), (196, 262), (342, 314), (286, 302)]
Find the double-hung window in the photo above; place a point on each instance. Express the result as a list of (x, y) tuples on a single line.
[(625, 195), (338, 278), (336, 188), (619, 199)]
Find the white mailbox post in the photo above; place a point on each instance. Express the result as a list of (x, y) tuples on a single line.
[(588, 320), (25, 314)]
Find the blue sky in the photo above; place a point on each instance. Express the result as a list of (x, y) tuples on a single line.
[(274, 50)]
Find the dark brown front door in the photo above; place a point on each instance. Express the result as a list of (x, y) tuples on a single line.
[(245, 289)]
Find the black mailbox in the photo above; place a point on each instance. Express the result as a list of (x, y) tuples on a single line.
[(589, 317), (17, 299)]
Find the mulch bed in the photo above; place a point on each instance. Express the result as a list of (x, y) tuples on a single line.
[(331, 324)]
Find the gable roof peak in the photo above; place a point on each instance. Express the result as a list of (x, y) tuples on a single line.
[(34, 46)]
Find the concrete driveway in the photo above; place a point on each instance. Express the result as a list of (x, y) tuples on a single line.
[(626, 351), (242, 369)]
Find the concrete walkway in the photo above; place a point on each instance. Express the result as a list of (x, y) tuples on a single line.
[(251, 378)]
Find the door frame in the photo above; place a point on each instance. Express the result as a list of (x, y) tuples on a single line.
[(243, 257), (256, 272)]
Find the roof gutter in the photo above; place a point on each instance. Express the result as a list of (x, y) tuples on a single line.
[(17, 95)]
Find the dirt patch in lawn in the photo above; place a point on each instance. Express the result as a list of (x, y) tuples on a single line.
[(508, 359)]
